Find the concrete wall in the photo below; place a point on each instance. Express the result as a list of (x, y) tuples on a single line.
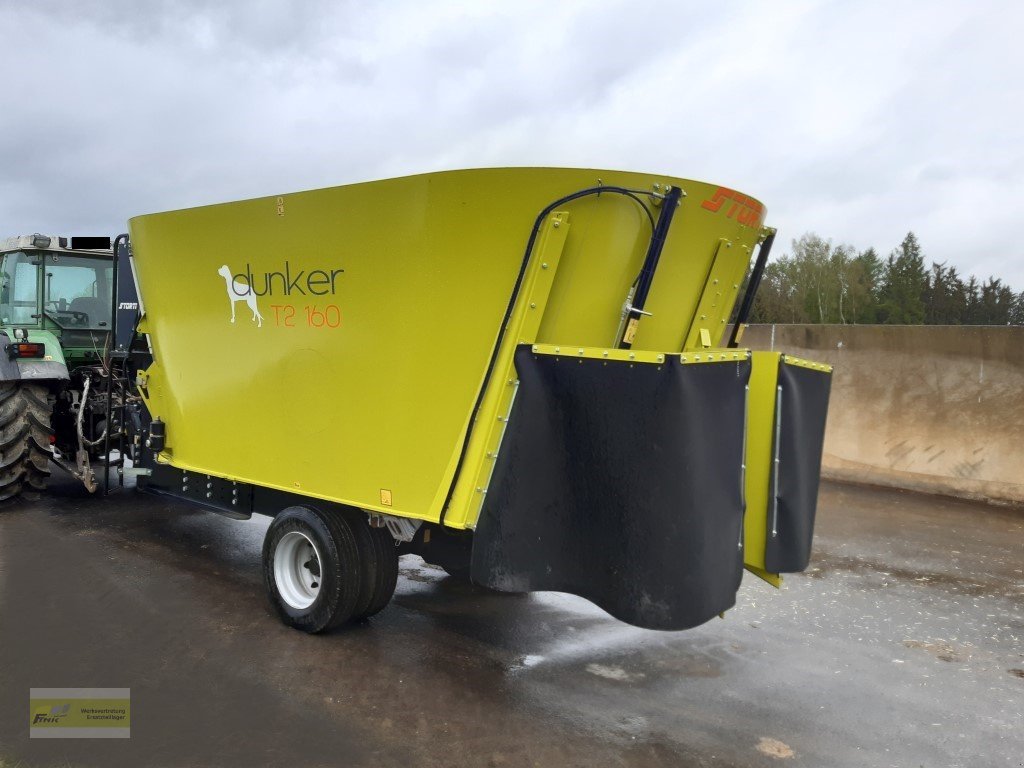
[(931, 408)]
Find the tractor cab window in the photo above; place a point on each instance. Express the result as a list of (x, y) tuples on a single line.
[(69, 290), (19, 289), (76, 291)]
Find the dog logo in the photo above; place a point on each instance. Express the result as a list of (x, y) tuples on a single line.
[(239, 291)]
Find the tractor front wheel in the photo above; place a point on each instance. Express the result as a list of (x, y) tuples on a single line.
[(25, 434)]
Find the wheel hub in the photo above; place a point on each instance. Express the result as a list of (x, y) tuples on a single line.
[(297, 570)]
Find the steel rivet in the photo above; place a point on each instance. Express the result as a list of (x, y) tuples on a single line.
[(533, 305), (544, 265), (557, 223)]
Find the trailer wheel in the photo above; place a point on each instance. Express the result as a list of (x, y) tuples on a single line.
[(382, 576), (25, 432), (312, 568)]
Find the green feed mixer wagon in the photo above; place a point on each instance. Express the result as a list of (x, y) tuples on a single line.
[(532, 377)]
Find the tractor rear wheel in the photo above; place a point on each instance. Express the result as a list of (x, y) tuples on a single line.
[(25, 433)]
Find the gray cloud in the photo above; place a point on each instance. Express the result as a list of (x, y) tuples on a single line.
[(859, 121)]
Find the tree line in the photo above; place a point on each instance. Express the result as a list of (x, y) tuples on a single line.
[(824, 283)]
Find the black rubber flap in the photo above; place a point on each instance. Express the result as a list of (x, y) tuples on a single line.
[(620, 483), (801, 433)]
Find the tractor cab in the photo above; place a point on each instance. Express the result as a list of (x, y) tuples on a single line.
[(59, 286)]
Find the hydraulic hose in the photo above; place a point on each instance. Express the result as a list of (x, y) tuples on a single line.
[(109, 363)]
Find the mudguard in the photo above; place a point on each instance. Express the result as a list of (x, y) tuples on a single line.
[(800, 416), (52, 366), (621, 482)]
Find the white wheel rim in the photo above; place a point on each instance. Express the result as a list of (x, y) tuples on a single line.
[(297, 570)]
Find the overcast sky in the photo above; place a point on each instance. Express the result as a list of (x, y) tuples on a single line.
[(856, 120)]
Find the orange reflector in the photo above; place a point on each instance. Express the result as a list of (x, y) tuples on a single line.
[(28, 349)]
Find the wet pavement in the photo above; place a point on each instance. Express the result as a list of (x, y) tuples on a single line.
[(903, 645)]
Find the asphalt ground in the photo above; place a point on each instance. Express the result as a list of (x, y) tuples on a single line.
[(903, 645)]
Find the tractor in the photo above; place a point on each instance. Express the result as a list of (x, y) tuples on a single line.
[(56, 308)]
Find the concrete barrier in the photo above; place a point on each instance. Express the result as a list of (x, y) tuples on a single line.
[(930, 408)]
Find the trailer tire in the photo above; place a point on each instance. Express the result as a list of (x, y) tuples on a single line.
[(384, 576), (312, 568), (369, 560), (25, 433)]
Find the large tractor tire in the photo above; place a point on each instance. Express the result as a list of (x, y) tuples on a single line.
[(25, 432)]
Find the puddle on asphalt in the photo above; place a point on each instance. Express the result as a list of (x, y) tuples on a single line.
[(825, 564)]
